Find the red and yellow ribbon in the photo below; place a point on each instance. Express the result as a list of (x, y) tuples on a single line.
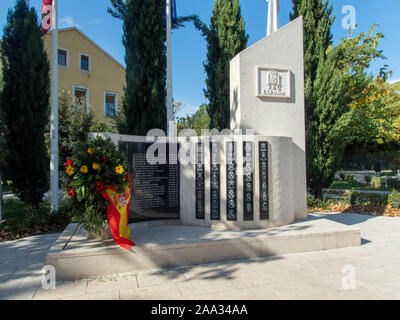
[(118, 215)]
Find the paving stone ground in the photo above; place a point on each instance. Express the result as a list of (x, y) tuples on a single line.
[(370, 271)]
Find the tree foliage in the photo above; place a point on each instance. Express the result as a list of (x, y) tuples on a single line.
[(336, 85), (2, 126), (199, 121), (225, 37), (319, 88), (144, 99), (25, 102), (374, 103), (74, 123), (326, 128), (144, 103)]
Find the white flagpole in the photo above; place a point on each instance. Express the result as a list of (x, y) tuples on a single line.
[(54, 112), (170, 127)]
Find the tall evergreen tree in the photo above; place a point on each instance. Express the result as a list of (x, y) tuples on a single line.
[(25, 102), (225, 37), (144, 36), (319, 88), (144, 103), (327, 126)]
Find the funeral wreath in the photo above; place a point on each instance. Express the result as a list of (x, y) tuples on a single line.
[(95, 167)]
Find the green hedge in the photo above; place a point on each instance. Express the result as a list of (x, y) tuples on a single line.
[(393, 183), (394, 199), (356, 197)]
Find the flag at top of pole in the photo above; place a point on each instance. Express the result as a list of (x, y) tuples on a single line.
[(47, 14), (50, 21), (174, 16)]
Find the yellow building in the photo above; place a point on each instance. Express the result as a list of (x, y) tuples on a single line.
[(88, 71)]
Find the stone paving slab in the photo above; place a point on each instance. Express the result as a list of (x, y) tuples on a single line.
[(314, 275)]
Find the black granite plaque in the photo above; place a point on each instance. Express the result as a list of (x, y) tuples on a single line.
[(155, 187), (248, 180), (231, 182), (264, 188), (200, 182), (215, 174)]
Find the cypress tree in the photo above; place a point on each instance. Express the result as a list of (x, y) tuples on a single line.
[(144, 36), (25, 102), (225, 37), (324, 94), (144, 103), (326, 129)]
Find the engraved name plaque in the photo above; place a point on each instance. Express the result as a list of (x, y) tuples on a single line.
[(200, 182), (215, 175), (248, 180), (231, 182), (155, 189), (264, 188)]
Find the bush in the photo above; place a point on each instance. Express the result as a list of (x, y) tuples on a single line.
[(342, 176), (95, 166), (317, 203), (351, 179), (314, 202), (100, 126), (74, 124), (363, 198), (19, 219), (394, 199), (393, 183), (367, 179), (376, 182)]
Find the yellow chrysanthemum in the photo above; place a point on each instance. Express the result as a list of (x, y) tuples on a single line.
[(90, 151), (120, 169), (95, 166), (70, 171), (84, 169)]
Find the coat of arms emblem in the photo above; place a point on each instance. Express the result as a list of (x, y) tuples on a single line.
[(274, 84)]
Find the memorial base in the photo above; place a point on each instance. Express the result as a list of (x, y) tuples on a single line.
[(175, 245)]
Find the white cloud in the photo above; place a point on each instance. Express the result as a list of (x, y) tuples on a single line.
[(68, 22), (394, 80)]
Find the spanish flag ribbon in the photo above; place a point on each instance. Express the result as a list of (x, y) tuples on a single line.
[(118, 214)]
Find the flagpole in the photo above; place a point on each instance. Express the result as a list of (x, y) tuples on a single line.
[(170, 127), (54, 113)]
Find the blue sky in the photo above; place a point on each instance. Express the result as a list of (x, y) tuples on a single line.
[(189, 48)]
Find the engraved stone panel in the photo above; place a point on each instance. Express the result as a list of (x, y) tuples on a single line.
[(231, 181), (200, 182), (248, 180), (155, 189), (215, 180), (273, 83), (264, 188)]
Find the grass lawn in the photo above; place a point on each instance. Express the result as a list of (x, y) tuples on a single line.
[(338, 184), (19, 209), (19, 221), (6, 188)]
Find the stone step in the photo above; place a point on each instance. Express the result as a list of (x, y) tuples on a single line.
[(175, 245)]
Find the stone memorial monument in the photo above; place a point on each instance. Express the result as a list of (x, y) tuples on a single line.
[(232, 181), (267, 95), (236, 181)]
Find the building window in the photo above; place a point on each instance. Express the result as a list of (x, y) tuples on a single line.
[(85, 62), (81, 95), (63, 57), (110, 108)]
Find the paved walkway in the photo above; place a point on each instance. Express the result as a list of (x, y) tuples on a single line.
[(371, 271)]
